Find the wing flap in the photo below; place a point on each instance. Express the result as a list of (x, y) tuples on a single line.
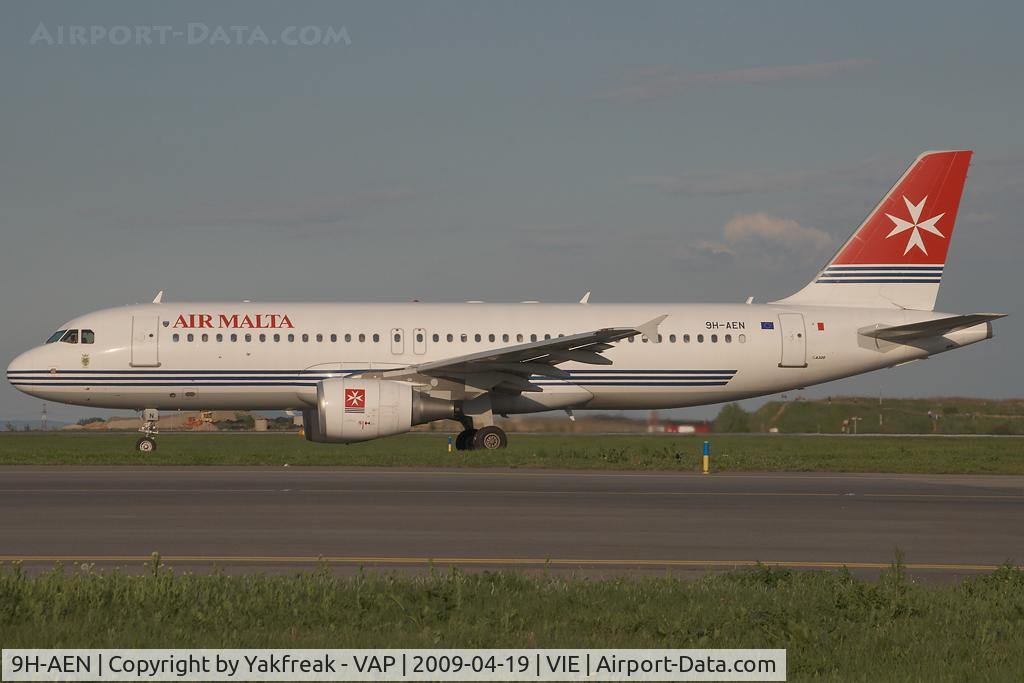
[(511, 367)]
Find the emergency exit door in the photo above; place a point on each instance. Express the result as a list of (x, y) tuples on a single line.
[(794, 341), (397, 341), (145, 341), (419, 341)]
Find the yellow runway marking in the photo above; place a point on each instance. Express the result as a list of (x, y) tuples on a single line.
[(500, 561)]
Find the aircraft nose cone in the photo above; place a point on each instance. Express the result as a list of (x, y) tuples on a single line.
[(18, 367)]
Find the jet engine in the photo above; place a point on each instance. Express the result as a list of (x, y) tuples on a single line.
[(351, 410)]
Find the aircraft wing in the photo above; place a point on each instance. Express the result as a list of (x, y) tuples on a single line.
[(929, 328), (510, 368)]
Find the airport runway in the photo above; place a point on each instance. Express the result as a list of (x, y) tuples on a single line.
[(269, 518)]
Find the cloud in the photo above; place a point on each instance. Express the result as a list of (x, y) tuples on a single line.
[(661, 81), (713, 248), (726, 184), (333, 211), (284, 215), (845, 178), (760, 229), (762, 238)]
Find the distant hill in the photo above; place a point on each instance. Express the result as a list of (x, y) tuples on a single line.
[(898, 416), (19, 425)]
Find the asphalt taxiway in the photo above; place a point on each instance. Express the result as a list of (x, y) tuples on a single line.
[(247, 518)]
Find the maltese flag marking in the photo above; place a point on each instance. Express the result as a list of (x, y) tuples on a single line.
[(355, 400)]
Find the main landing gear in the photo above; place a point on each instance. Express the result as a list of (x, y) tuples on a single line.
[(150, 428), (488, 438)]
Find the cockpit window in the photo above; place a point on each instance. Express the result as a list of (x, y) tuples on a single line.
[(70, 337), (88, 337), (56, 336)]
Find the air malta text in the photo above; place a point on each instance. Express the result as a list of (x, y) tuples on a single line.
[(257, 321)]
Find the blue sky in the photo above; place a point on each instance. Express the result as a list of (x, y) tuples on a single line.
[(527, 150)]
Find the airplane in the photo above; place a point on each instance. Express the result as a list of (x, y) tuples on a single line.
[(362, 371)]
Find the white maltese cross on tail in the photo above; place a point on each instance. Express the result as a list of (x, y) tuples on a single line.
[(916, 225)]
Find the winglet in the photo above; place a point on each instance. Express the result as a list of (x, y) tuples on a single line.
[(159, 297), (650, 328), (585, 299)]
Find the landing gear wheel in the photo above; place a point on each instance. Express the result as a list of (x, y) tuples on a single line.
[(490, 438), (145, 445), (464, 441)]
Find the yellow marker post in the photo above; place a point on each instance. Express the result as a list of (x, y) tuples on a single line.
[(449, 444), (707, 457)]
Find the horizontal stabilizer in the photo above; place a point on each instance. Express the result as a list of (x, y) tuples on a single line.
[(929, 328)]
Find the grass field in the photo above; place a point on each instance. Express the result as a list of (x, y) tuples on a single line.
[(834, 626), (581, 451)]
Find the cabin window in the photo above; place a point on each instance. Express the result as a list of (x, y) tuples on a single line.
[(728, 339), (398, 337), (714, 339), (376, 338), (263, 337), (686, 339), (362, 337), (477, 337), (644, 339), (671, 339), (205, 337), (88, 337), (190, 337), (491, 337), (504, 337), (436, 337), (234, 337), (419, 336), (305, 337), (464, 337), (55, 336), (450, 337), (291, 337), (533, 337), (334, 338), (248, 337), (175, 337), (220, 337), (348, 337), (660, 338), (700, 338), (547, 336), (277, 337), (743, 339), (319, 337), (632, 339)]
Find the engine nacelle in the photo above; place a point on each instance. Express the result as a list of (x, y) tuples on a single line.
[(351, 410)]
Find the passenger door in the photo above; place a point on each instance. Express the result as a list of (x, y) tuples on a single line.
[(145, 341), (794, 341)]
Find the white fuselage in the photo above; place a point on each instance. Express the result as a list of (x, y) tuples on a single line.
[(167, 356)]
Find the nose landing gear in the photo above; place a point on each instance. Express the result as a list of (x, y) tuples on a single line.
[(150, 428)]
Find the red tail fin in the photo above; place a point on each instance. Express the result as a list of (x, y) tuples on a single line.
[(897, 255), (914, 222)]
